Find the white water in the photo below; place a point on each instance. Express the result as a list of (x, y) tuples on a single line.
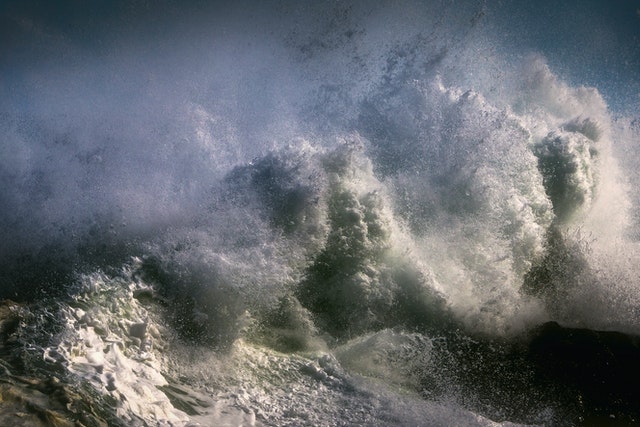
[(280, 214), (121, 347)]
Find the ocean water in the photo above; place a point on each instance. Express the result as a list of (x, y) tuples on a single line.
[(397, 213)]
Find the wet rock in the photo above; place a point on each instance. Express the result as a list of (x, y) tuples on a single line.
[(597, 371)]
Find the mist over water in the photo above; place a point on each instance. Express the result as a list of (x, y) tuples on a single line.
[(319, 196)]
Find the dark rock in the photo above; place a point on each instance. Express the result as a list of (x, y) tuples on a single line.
[(595, 370)]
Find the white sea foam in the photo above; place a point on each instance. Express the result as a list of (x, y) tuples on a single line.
[(113, 339)]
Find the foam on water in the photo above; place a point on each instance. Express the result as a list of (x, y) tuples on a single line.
[(113, 338)]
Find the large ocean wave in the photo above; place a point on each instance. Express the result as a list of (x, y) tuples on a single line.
[(311, 214)]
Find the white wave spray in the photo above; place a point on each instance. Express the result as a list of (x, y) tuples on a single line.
[(337, 204)]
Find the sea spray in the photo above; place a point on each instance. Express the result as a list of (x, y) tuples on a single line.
[(317, 214)]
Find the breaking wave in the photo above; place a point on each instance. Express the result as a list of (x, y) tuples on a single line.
[(347, 215)]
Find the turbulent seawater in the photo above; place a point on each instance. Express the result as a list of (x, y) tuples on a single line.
[(407, 213)]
